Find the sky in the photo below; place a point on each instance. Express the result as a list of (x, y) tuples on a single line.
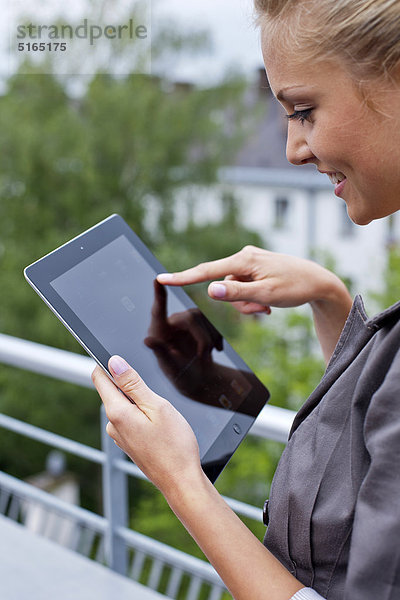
[(229, 22)]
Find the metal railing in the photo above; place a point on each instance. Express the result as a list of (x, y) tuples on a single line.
[(108, 539)]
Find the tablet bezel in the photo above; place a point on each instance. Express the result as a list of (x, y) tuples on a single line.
[(42, 272)]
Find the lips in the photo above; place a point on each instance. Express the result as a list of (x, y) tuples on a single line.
[(339, 187)]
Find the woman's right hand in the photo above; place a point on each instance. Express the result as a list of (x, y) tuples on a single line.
[(255, 279)]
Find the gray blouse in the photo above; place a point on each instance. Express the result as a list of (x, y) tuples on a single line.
[(334, 508)]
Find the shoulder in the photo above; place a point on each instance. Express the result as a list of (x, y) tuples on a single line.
[(383, 363), (382, 371), (362, 358)]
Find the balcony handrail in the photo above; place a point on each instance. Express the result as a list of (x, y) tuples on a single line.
[(52, 439), (46, 360), (99, 457), (27, 491), (273, 423), (98, 523)]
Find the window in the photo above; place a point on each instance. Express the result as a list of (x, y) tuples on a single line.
[(282, 209)]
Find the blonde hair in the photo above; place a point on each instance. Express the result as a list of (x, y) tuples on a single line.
[(363, 33)]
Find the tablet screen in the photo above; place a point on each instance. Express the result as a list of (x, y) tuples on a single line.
[(118, 276), (103, 287)]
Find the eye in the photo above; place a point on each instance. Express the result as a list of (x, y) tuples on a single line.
[(301, 115)]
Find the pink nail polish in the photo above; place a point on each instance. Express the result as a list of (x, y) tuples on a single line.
[(218, 290), (165, 277), (118, 365)]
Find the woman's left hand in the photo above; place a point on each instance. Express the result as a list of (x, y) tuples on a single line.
[(148, 429), (163, 445)]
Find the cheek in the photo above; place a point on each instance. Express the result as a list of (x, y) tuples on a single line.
[(325, 144), (338, 147)]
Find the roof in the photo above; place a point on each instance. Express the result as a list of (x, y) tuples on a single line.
[(266, 146)]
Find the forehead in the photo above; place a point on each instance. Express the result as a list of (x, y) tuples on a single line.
[(283, 64), (290, 70)]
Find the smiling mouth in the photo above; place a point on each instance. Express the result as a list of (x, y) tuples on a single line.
[(336, 177)]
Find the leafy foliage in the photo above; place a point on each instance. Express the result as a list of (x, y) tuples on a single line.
[(67, 164), (391, 289)]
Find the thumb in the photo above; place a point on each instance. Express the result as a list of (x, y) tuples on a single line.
[(232, 290), (129, 381)]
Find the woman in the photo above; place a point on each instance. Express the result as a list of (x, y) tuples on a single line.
[(334, 512)]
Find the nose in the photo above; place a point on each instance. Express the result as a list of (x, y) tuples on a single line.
[(298, 151)]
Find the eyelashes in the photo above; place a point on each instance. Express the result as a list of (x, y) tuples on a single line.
[(300, 115)]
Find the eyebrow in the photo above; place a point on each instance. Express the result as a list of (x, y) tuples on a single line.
[(281, 95)]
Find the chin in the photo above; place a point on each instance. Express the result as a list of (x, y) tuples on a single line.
[(361, 219), (359, 215)]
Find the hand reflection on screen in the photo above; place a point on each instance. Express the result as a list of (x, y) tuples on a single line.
[(183, 344)]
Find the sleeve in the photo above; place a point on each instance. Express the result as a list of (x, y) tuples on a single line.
[(307, 594), (374, 562)]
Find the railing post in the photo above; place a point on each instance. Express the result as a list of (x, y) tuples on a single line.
[(115, 501)]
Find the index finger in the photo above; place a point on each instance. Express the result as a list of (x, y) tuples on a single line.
[(232, 265)]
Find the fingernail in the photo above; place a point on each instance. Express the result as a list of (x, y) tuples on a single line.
[(218, 290), (118, 365), (165, 277)]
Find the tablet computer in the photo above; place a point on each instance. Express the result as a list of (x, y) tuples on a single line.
[(102, 286)]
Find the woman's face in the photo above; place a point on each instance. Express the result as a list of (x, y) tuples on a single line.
[(332, 126)]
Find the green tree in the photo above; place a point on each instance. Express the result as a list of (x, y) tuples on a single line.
[(391, 287), (126, 145)]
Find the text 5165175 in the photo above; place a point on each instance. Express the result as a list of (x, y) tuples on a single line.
[(42, 47)]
